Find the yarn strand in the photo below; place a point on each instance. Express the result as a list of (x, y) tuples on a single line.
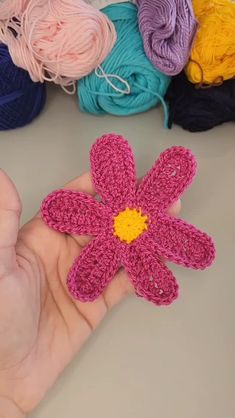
[(8, 98), (107, 78), (126, 66), (57, 40)]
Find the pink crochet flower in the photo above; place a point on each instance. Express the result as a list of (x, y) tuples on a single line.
[(131, 225)]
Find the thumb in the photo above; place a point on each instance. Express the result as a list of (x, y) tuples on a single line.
[(10, 210)]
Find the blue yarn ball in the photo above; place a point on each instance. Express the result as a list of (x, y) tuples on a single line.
[(127, 60), (21, 100)]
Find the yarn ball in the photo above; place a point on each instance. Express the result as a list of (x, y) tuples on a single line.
[(213, 54), (168, 28), (127, 83), (10, 8), (21, 100), (198, 109), (58, 40)]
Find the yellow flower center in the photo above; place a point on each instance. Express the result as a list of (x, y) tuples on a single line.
[(130, 224)]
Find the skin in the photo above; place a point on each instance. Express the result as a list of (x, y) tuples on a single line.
[(41, 327)]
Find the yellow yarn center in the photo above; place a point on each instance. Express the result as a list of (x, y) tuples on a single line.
[(130, 224)]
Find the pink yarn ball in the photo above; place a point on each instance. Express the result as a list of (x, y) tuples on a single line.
[(56, 40), (9, 8)]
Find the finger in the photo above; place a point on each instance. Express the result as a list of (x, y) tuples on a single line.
[(118, 289), (10, 211), (82, 183), (175, 209)]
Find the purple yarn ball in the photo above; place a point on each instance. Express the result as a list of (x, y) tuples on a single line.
[(168, 28)]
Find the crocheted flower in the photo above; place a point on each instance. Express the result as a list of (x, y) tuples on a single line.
[(131, 226)]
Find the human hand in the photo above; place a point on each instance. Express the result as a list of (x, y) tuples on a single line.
[(41, 326)]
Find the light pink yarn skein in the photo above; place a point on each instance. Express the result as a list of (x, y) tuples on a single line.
[(56, 40), (10, 8)]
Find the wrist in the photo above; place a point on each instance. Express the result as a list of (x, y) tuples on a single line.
[(8, 409)]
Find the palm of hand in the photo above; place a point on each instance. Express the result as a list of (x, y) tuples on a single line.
[(41, 327)]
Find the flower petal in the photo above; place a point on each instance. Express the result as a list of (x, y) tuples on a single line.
[(113, 170), (74, 213), (94, 269), (150, 277), (182, 243), (166, 181)]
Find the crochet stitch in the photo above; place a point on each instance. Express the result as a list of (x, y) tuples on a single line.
[(130, 225)]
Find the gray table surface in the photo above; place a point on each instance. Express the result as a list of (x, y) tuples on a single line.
[(175, 362)]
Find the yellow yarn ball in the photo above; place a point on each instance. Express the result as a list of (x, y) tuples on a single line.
[(212, 57)]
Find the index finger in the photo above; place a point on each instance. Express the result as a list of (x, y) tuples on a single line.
[(82, 183)]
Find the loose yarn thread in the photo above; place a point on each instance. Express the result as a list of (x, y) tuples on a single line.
[(200, 109), (126, 83), (168, 28), (57, 40), (21, 100), (214, 47)]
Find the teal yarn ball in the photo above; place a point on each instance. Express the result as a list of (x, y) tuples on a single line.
[(126, 83)]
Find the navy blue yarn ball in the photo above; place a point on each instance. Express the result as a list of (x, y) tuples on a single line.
[(21, 100), (200, 109)]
